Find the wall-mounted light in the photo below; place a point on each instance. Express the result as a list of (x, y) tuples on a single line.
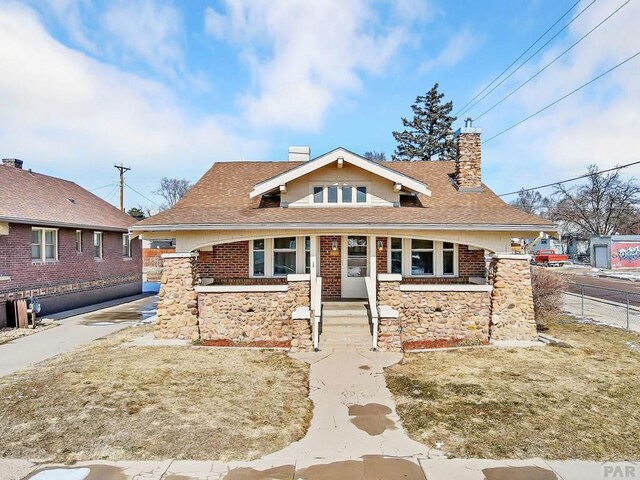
[(380, 245), (334, 245)]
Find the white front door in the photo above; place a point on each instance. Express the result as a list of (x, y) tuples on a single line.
[(354, 266)]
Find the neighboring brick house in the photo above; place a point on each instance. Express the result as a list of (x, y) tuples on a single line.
[(260, 247), (61, 243)]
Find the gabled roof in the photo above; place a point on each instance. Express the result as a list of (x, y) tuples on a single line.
[(347, 156), (36, 199), (220, 200)]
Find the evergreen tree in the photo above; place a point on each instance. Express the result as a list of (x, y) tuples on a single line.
[(428, 136)]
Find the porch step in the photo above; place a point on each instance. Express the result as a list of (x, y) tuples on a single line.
[(345, 324)]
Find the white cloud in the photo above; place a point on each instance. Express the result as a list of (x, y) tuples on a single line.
[(305, 57), (599, 124), (458, 47), (62, 106), (148, 30)]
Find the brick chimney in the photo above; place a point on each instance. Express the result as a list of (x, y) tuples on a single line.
[(468, 173), (12, 162)]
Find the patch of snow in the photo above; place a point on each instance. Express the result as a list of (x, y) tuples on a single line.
[(63, 474)]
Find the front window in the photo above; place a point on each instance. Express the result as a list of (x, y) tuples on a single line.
[(318, 194), (97, 244), (361, 195), (339, 195), (396, 255), (126, 245), (307, 254), (347, 194), (284, 256), (447, 258), (421, 257), (44, 244), (332, 194), (258, 258)]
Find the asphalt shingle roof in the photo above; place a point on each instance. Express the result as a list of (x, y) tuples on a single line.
[(34, 198), (221, 197)]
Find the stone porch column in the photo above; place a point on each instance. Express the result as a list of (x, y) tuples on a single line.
[(178, 300), (512, 298)]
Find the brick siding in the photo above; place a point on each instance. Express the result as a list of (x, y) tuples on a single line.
[(229, 260), (381, 255), (72, 272), (330, 266), (471, 263)]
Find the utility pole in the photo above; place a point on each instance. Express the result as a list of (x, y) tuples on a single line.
[(122, 169)]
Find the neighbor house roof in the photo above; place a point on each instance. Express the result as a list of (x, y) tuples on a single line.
[(221, 199), (37, 199)]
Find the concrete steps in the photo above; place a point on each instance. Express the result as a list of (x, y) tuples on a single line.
[(345, 325)]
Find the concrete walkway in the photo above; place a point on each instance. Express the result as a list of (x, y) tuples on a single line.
[(76, 327)]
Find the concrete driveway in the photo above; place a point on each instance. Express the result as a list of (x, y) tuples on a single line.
[(76, 327)]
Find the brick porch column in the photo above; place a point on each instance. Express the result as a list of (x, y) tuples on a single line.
[(178, 300), (512, 299)]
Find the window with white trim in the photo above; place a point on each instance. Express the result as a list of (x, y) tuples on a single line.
[(307, 254), (257, 258), (97, 245), (448, 258), (395, 255), (284, 256), (422, 257), (126, 246), (78, 241), (44, 245), (335, 194), (361, 194)]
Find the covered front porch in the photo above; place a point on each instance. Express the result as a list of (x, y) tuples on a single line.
[(420, 290)]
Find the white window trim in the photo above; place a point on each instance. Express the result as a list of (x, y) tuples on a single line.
[(266, 261), (268, 257), (275, 250), (438, 264), (128, 255), (43, 250), (340, 185), (389, 254), (79, 244), (101, 245)]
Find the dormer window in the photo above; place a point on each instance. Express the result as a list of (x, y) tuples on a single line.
[(339, 194)]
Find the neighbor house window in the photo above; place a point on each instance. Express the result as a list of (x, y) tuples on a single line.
[(258, 258), (79, 241), (421, 257), (44, 244), (307, 254), (284, 256), (97, 244), (448, 258), (126, 245), (396, 255)]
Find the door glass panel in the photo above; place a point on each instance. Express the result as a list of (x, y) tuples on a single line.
[(357, 257)]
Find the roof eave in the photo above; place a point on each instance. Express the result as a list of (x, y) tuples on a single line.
[(47, 223)]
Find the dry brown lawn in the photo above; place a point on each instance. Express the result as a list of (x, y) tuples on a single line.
[(552, 402), (111, 401)]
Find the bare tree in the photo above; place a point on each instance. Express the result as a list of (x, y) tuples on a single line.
[(531, 201), (375, 156), (604, 205), (172, 190)]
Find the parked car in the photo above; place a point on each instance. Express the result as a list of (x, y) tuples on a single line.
[(549, 258)]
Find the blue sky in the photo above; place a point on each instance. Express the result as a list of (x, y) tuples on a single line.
[(170, 87)]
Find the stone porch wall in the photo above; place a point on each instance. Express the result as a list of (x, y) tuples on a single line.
[(432, 318), (256, 318)]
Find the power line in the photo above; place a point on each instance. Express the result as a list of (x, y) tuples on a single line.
[(143, 196), (530, 57), (108, 197), (554, 60), (103, 186), (619, 167), (521, 55), (563, 97)]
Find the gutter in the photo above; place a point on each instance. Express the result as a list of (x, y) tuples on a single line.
[(345, 226)]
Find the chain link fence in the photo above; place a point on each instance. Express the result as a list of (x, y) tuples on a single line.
[(619, 308)]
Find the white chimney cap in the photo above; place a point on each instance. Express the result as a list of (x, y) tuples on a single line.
[(299, 154)]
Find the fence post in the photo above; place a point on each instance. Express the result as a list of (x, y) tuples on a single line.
[(627, 310), (582, 295)]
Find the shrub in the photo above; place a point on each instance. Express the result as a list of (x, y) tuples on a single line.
[(548, 287)]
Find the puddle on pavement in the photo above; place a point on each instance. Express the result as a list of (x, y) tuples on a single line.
[(372, 467), (107, 318), (371, 418), (518, 473), (86, 472), (284, 472), (364, 367), (176, 477)]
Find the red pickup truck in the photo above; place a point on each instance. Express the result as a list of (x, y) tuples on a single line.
[(549, 258)]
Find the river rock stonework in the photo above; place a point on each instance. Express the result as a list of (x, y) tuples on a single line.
[(177, 299), (432, 318), (256, 317), (512, 299)]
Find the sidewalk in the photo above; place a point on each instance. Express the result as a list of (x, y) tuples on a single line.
[(76, 327), (604, 311)]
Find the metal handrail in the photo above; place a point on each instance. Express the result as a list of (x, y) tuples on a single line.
[(373, 308)]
